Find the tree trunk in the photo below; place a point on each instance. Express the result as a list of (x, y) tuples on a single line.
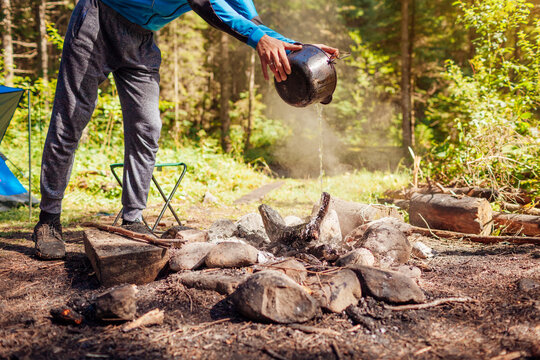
[(225, 84), (251, 106), (7, 41), (176, 126), (406, 75), (411, 75), (43, 53)]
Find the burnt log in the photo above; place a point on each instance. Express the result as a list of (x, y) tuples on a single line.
[(297, 236), (518, 224), (446, 212)]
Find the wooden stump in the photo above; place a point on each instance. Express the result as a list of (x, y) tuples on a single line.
[(446, 212), (518, 224), (118, 260)]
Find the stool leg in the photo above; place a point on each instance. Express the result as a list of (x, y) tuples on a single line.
[(167, 200)]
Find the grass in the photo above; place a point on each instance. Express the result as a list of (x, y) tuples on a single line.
[(93, 191)]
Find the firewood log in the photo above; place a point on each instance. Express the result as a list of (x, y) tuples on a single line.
[(446, 212)]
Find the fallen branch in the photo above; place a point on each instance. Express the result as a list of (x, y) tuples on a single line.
[(153, 317), (314, 330), (427, 305), (273, 354), (336, 350), (520, 208), (131, 234), (485, 239)]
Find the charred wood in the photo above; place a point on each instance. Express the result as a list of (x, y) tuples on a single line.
[(297, 236)]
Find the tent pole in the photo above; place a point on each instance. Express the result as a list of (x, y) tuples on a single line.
[(29, 161)]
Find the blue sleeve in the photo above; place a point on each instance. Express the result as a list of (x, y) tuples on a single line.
[(236, 17)]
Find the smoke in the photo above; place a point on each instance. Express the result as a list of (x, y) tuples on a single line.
[(299, 155)]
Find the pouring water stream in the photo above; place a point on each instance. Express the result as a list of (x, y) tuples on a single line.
[(321, 170)]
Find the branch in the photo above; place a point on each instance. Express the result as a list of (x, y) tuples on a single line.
[(477, 238), (131, 234), (428, 305)]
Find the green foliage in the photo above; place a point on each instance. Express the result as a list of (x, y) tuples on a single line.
[(489, 119)]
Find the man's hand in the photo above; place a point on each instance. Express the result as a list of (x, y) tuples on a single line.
[(334, 53), (272, 53)]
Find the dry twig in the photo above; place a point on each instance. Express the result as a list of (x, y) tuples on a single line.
[(153, 317), (427, 305), (314, 330), (485, 239)]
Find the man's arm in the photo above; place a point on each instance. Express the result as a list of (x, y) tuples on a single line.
[(239, 18)]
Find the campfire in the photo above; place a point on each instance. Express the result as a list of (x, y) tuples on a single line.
[(290, 270)]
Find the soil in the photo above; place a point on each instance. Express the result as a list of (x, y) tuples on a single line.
[(502, 321)]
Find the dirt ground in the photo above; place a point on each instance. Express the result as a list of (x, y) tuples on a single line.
[(503, 321)]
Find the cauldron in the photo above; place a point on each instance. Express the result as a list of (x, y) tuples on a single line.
[(313, 78)]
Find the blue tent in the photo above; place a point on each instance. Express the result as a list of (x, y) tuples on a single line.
[(12, 193)]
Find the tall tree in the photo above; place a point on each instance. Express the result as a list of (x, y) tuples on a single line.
[(406, 50), (251, 103), (43, 53), (225, 93), (7, 41)]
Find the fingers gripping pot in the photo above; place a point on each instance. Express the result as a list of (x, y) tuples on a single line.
[(313, 78)]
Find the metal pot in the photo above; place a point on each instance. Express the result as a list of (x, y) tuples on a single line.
[(313, 78)]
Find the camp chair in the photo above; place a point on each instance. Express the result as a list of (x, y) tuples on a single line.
[(166, 198)]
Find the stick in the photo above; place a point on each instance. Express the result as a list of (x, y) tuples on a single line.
[(336, 351), (520, 209), (153, 317), (131, 234), (477, 238), (273, 354), (314, 330), (427, 305)]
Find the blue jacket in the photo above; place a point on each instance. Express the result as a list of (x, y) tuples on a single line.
[(236, 17)]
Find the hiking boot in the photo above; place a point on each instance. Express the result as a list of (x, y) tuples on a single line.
[(136, 226), (49, 242)]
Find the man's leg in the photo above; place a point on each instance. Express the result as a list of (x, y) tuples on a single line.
[(139, 95), (82, 69)]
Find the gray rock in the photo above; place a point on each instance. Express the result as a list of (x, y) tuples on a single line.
[(360, 256), (421, 250), (235, 239), (358, 232), (273, 296), (338, 291), (186, 234), (251, 228), (223, 284), (292, 220), (209, 198), (117, 304), (231, 254), (389, 286), (527, 284), (408, 270), (353, 214), (388, 243), (330, 232), (190, 256), (221, 229), (292, 268)]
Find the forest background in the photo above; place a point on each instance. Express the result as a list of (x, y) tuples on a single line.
[(452, 84)]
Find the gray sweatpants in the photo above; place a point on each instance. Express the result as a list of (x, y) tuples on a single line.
[(100, 41)]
